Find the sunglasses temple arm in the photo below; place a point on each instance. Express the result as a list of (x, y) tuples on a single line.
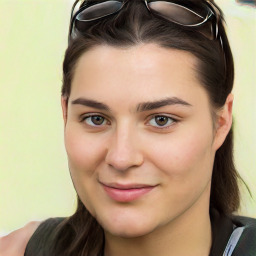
[(71, 17)]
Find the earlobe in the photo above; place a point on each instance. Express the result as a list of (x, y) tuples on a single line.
[(223, 122), (64, 105)]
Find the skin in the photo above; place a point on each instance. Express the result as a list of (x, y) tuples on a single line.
[(14, 244), (129, 146)]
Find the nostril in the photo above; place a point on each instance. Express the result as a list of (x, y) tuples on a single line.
[(123, 160)]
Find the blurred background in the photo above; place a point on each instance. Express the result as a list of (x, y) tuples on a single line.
[(34, 178)]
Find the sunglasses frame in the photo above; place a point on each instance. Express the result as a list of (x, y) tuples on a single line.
[(213, 11)]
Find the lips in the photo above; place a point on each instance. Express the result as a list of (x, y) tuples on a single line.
[(126, 192)]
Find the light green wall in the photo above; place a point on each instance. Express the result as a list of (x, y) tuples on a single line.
[(34, 178), (241, 29)]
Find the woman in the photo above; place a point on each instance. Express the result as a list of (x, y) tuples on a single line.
[(147, 109)]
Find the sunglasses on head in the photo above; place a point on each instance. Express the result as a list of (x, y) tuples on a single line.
[(201, 16)]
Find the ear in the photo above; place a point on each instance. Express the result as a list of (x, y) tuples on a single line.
[(223, 122), (64, 105)]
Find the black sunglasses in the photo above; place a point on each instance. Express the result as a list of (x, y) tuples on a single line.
[(204, 17)]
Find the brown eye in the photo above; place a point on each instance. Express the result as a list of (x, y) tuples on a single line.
[(161, 121), (95, 120)]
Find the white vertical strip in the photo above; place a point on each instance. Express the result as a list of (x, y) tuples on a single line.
[(233, 240)]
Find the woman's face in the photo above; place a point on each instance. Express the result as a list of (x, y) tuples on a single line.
[(139, 137)]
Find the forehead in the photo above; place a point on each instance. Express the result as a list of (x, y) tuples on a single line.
[(146, 70), (136, 59)]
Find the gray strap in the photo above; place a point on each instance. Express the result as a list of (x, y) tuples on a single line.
[(233, 240)]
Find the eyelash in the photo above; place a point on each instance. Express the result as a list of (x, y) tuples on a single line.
[(84, 118), (153, 117), (173, 121)]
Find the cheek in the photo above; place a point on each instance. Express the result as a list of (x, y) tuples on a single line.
[(185, 162), (83, 150), (184, 152), (85, 154)]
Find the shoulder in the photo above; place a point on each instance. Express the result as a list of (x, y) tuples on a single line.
[(245, 234), (14, 244), (244, 221)]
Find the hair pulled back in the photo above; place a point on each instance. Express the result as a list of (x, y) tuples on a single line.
[(80, 234)]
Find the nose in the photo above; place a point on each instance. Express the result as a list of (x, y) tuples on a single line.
[(123, 151)]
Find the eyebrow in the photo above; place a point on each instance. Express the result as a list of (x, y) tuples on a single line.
[(91, 103), (146, 106), (141, 107)]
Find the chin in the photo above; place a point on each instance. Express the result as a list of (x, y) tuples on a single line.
[(128, 228), (128, 232)]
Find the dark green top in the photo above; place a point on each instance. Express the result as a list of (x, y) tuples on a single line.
[(235, 236), (39, 243)]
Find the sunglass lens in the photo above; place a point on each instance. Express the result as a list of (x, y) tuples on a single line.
[(99, 10), (176, 13)]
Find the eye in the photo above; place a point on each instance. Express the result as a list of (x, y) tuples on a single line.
[(94, 120), (161, 121)]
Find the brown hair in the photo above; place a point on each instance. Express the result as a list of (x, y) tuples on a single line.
[(80, 234)]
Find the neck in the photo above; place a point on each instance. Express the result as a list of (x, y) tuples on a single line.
[(189, 234)]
